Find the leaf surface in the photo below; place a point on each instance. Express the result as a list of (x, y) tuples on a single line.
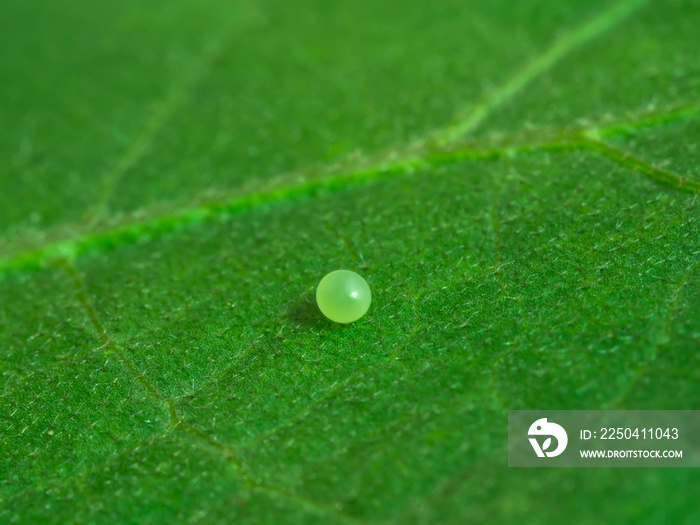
[(517, 181)]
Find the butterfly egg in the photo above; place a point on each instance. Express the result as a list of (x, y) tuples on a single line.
[(343, 296)]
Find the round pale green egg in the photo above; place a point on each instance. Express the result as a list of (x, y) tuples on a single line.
[(343, 296)]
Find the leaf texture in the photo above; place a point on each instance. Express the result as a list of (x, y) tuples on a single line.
[(517, 181)]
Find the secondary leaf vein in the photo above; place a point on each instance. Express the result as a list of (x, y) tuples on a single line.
[(540, 64)]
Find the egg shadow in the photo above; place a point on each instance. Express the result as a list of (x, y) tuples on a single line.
[(306, 313)]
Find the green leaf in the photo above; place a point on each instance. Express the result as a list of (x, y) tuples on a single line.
[(517, 181)]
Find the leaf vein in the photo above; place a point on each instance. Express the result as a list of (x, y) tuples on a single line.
[(539, 65), (652, 353), (161, 113), (176, 422), (160, 225)]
